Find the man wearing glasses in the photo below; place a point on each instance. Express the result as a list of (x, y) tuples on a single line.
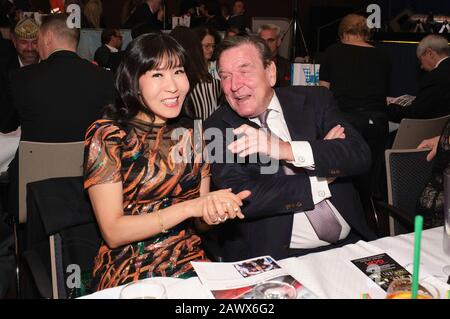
[(270, 33)]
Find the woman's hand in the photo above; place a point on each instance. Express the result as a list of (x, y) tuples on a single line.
[(431, 143), (218, 206)]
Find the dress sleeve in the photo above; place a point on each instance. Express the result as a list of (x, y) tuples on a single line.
[(102, 154), (200, 150)]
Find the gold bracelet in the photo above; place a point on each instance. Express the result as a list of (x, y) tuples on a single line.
[(163, 230)]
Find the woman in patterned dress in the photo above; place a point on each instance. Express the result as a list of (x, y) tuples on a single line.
[(145, 175)]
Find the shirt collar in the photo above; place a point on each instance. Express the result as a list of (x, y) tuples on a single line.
[(112, 49), (274, 105), (440, 61), (21, 63)]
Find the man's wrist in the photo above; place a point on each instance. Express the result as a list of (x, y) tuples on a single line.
[(286, 153)]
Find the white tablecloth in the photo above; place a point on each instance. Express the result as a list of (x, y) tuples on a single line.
[(330, 274), (8, 147)]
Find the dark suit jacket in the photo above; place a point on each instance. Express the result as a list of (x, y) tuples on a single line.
[(107, 59), (432, 99), (239, 22), (143, 15), (60, 97), (283, 71), (310, 113), (9, 62), (57, 100)]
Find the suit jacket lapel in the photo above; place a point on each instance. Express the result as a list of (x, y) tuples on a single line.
[(234, 120), (293, 104)]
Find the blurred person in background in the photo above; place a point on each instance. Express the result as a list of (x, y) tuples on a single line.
[(271, 34), (205, 93), (358, 75), (209, 39)]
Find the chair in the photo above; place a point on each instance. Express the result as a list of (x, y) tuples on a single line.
[(413, 131), (407, 172), (39, 161), (63, 237), (286, 30)]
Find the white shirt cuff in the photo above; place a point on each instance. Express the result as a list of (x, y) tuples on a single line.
[(303, 155), (319, 189)]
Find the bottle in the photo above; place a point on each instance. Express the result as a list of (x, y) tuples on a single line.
[(446, 239)]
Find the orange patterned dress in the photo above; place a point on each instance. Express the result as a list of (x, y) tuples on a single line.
[(158, 166)]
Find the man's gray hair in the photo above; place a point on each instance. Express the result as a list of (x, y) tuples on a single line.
[(437, 43), (272, 27), (236, 41)]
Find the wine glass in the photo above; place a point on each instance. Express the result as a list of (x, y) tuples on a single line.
[(144, 289), (274, 290)]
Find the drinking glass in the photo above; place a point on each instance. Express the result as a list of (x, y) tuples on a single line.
[(274, 290), (401, 289), (143, 290)]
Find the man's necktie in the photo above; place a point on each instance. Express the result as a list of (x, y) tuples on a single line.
[(322, 218)]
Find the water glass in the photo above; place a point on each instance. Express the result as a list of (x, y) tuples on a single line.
[(144, 289), (274, 290)]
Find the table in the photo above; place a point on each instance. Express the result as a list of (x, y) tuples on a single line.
[(8, 147), (330, 274), (339, 278)]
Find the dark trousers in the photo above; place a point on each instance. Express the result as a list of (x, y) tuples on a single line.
[(350, 239), (7, 260)]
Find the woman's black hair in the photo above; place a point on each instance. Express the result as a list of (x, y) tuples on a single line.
[(203, 31), (147, 52), (196, 68)]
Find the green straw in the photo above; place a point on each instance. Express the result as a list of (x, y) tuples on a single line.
[(418, 224)]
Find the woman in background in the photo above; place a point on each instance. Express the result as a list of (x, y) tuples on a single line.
[(209, 40), (93, 10), (145, 173), (206, 91), (358, 75)]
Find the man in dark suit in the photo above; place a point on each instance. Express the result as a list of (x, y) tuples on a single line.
[(238, 20), (310, 141), (60, 97), (22, 53), (433, 98), (149, 13), (271, 33), (108, 55)]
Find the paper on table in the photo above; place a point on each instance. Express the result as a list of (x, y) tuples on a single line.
[(330, 274), (236, 280)]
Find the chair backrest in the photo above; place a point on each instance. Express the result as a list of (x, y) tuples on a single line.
[(286, 30), (60, 213), (38, 161), (407, 172), (413, 131)]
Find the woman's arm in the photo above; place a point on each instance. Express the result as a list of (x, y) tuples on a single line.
[(118, 229)]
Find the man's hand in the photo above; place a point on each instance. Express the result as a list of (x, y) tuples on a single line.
[(432, 144), (254, 140), (336, 132)]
